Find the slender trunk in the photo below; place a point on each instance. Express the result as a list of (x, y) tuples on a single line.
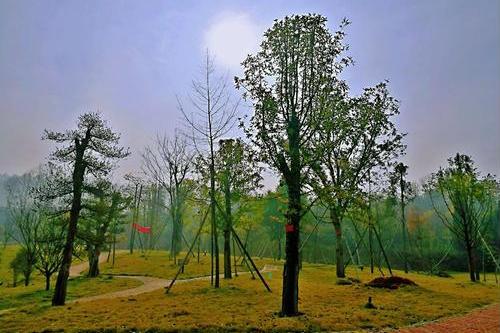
[(27, 275), (477, 265), (234, 258), (484, 268), (59, 297), (471, 262), (339, 249), (134, 217), (114, 247), (94, 254), (403, 224), (214, 228), (370, 245), (227, 233), (47, 281)]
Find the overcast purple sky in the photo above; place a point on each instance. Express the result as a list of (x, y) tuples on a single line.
[(129, 59)]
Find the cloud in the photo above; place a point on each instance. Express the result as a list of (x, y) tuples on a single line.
[(231, 37)]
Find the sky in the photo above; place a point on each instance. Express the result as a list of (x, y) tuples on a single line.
[(130, 59)]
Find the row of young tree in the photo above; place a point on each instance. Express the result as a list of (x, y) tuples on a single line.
[(335, 155)]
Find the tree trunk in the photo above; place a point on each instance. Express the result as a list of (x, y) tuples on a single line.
[(59, 297), (471, 262), (370, 242), (134, 220), (47, 281), (290, 305), (477, 266), (339, 249), (214, 228), (94, 254), (227, 234), (290, 297), (403, 224), (27, 275)]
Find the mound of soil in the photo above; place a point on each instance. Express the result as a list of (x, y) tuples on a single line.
[(390, 282)]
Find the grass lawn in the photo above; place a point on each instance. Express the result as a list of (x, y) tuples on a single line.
[(158, 264), (244, 304), (34, 293)]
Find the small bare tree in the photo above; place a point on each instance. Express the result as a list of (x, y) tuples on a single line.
[(168, 162), (211, 116), (24, 218)]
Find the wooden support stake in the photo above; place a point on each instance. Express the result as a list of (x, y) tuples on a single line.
[(250, 259), (167, 289)]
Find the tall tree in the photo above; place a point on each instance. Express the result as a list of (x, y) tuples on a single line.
[(468, 199), (287, 80), (238, 175), (168, 162), (357, 136), (91, 148), (402, 189), (212, 116)]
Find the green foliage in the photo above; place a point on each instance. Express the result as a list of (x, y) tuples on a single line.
[(469, 200), (468, 197), (21, 264), (288, 80), (237, 169)]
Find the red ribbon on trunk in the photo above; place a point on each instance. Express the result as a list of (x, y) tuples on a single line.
[(289, 228), (141, 229)]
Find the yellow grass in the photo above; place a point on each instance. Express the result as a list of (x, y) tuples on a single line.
[(243, 304), (158, 264), (34, 293)]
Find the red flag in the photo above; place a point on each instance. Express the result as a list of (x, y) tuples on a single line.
[(141, 229)]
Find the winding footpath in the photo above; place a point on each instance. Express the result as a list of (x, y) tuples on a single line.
[(148, 283)]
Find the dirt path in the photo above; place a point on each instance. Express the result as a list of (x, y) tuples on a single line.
[(149, 284), (77, 270), (483, 320)]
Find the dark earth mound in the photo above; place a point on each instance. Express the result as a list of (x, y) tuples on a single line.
[(390, 282)]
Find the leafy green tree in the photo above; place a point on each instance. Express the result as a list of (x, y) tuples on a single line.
[(50, 235), (468, 198), (403, 191), (237, 175), (21, 264), (288, 80), (357, 135), (105, 208), (90, 149)]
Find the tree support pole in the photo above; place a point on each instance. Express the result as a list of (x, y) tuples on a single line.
[(186, 242), (250, 259), (167, 289), (382, 248)]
